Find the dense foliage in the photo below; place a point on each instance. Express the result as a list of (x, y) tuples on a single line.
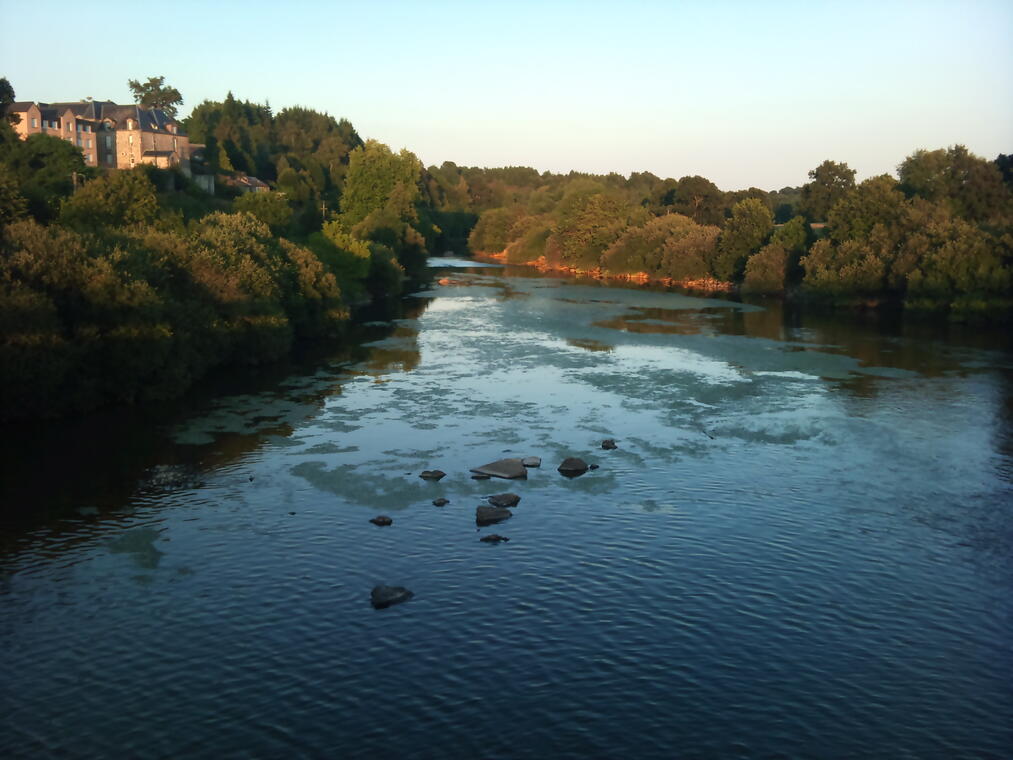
[(939, 238), (125, 285)]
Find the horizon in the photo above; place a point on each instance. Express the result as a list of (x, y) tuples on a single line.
[(773, 91)]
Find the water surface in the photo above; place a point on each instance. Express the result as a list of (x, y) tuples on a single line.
[(801, 547)]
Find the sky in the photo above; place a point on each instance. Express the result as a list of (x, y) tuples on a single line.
[(743, 93)]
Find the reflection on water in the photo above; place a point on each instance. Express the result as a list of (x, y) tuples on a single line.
[(801, 546)]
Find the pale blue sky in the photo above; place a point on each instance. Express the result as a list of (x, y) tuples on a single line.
[(743, 93)]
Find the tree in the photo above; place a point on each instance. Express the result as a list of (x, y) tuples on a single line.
[(1004, 163), (156, 94), (12, 203), (766, 270), (700, 199), (6, 98), (270, 208), (672, 245), (876, 200), (829, 182), (588, 224), (376, 176), (747, 230), (972, 186), (112, 200), (43, 168)]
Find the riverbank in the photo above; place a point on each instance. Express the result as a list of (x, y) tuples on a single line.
[(703, 285)]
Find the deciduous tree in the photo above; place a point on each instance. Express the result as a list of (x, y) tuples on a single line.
[(155, 93), (828, 183)]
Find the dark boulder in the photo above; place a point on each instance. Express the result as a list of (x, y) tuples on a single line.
[(432, 474), (385, 596), (493, 538), (480, 476), (573, 466), (382, 520), (593, 466), (504, 500), (489, 515), (503, 468), (608, 444), (440, 502)]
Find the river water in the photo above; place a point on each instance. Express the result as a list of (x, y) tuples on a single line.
[(802, 546)]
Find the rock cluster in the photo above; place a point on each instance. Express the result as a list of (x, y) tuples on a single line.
[(495, 511)]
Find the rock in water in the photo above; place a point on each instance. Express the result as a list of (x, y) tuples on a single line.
[(532, 461), (385, 596), (382, 520), (493, 538), (489, 515), (441, 502), (503, 468), (608, 444), (480, 476), (432, 474), (572, 467), (504, 500)]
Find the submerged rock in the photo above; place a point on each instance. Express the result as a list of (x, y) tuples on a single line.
[(593, 466), (608, 444), (432, 474), (493, 538), (573, 466), (382, 520), (385, 596), (488, 515), (503, 468), (532, 461), (480, 476), (504, 500), (440, 502), (171, 477)]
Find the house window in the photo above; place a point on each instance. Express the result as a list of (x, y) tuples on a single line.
[(79, 126), (87, 143), (35, 123), (109, 141)]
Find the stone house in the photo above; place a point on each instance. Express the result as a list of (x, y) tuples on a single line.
[(109, 135)]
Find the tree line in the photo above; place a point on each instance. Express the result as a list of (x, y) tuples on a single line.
[(937, 237), (118, 286)]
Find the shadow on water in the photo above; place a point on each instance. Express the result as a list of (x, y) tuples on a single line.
[(91, 466)]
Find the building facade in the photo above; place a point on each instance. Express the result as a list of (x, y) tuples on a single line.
[(110, 136)]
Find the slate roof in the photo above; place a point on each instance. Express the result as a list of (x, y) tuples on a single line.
[(148, 119)]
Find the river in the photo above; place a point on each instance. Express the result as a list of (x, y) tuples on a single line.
[(802, 545)]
